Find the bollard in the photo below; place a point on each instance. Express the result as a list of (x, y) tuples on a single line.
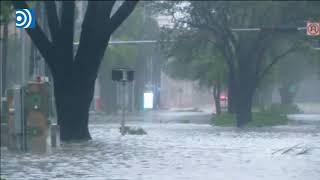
[(55, 135), (16, 121)]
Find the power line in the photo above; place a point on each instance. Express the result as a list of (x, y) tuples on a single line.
[(233, 29), (118, 42), (260, 29)]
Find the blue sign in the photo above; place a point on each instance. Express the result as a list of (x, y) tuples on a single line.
[(25, 18)]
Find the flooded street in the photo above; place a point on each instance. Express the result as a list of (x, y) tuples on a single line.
[(176, 148), (183, 73)]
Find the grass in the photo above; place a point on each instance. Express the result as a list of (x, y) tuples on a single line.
[(4, 119), (275, 114), (259, 119)]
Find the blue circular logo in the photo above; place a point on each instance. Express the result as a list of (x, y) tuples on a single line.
[(25, 18)]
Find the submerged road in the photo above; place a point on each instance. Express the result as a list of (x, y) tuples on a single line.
[(179, 145)]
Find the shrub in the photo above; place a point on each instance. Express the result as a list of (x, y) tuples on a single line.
[(259, 119), (283, 109)]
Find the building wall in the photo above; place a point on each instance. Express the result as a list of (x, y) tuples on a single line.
[(182, 93)]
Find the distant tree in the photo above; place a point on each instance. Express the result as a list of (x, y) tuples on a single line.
[(244, 52), (74, 74), (210, 69), (202, 62)]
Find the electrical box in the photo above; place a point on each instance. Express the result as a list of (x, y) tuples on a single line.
[(29, 128), (37, 116)]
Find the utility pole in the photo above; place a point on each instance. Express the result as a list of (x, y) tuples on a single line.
[(4, 53), (124, 95), (23, 57)]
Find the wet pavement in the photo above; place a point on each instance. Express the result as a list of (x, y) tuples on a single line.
[(179, 145)]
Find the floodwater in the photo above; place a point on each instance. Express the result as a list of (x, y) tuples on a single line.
[(179, 145)]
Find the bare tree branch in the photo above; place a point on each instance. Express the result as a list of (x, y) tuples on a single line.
[(52, 17), (261, 44), (122, 13), (94, 36), (276, 59), (109, 6)]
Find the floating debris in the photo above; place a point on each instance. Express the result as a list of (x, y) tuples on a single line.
[(134, 130)]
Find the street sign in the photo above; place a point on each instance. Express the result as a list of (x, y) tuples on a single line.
[(313, 28), (122, 74)]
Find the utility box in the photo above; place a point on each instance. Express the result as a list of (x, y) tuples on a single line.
[(29, 128), (37, 116)]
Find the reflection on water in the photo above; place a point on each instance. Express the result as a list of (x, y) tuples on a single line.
[(174, 151)]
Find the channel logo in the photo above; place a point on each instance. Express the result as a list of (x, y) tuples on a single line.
[(25, 18)]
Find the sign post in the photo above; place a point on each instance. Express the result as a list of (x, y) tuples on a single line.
[(122, 128), (123, 75)]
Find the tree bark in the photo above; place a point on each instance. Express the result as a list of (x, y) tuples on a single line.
[(243, 113), (216, 96), (231, 93), (245, 87), (73, 99), (244, 100)]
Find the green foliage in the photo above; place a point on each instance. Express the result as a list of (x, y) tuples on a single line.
[(224, 119), (283, 109), (4, 119), (178, 69), (193, 57), (6, 13), (259, 119), (275, 114)]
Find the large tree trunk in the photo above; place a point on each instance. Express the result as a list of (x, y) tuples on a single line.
[(245, 88), (73, 99), (244, 105)]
